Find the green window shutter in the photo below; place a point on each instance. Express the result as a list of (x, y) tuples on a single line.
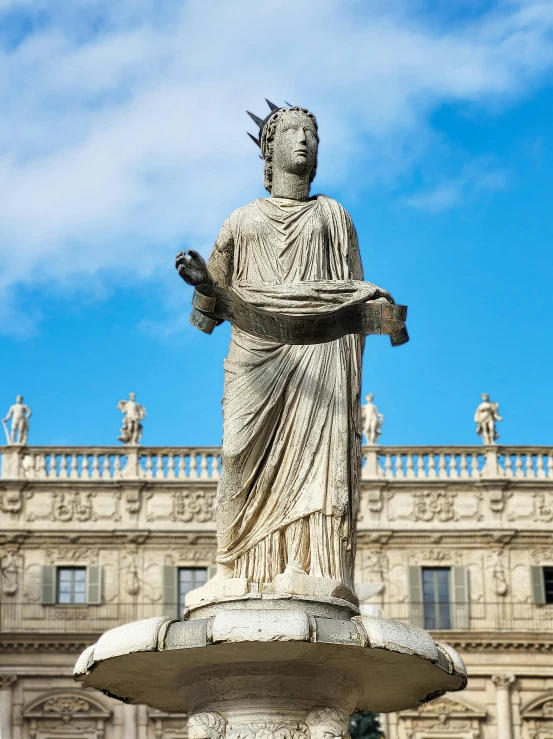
[(170, 592), (94, 585), (538, 586), (416, 605), (48, 585), (460, 597)]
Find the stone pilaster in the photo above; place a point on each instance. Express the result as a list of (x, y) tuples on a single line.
[(7, 683), (130, 722), (503, 701)]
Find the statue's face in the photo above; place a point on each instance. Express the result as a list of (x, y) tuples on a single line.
[(370, 397), (19, 399), (199, 731), (485, 397), (295, 144), (132, 396)]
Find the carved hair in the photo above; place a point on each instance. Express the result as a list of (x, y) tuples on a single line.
[(268, 143), (212, 720), (326, 714)]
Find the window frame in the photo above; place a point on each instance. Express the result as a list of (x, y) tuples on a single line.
[(180, 594), (73, 569), (438, 621), (547, 585)]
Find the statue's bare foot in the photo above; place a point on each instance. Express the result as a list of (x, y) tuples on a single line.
[(292, 569)]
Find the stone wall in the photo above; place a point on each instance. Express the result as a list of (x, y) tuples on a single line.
[(131, 517)]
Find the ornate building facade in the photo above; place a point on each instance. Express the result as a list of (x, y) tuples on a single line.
[(458, 540)]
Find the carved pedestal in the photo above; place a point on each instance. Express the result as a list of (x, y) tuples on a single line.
[(280, 671)]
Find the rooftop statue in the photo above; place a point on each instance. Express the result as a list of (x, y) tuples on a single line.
[(486, 416), (372, 420), (19, 413), (286, 271), (133, 415)]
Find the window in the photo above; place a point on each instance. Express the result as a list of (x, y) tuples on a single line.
[(189, 579), (436, 597), (71, 585), (548, 584)]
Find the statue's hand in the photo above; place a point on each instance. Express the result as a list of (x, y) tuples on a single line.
[(382, 296), (192, 268)]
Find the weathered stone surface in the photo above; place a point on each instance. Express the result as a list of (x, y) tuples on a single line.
[(262, 654), (240, 626)]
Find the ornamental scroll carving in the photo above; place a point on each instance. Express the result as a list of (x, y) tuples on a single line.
[(434, 505), (322, 722), (193, 505)]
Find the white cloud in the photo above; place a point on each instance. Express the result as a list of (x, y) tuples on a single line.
[(475, 179), (123, 131)]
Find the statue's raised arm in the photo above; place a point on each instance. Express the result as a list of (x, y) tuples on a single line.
[(286, 272)]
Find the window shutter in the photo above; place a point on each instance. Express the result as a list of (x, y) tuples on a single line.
[(170, 592), (48, 585), (460, 597), (94, 585), (416, 606), (538, 585)]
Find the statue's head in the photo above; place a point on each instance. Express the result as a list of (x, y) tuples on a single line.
[(289, 141), (207, 725), (132, 396), (325, 722), (485, 397), (19, 399), (369, 398)]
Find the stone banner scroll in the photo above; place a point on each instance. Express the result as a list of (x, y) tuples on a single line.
[(212, 305)]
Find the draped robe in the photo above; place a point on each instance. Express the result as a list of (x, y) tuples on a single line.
[(288, 494)]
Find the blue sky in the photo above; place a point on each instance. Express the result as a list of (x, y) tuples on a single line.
[(123, 141)]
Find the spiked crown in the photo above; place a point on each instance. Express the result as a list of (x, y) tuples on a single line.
[(262, 122)]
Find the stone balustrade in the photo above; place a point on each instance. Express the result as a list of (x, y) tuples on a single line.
[(204, 463)]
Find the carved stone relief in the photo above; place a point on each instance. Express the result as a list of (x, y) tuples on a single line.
[(69, 553), (193, 505), (443, 715), (537, 718), (499, 574), (321, 722), (434, 505), (435, 556), (66, 714), (11, 564), (11, 498)]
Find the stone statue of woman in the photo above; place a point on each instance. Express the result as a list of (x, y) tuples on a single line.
[(288, 494)]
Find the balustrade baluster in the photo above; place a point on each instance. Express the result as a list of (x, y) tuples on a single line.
[(410, 466), (421, 472), (508, 466), (519, 472), (159, 466), (63, 467), (41, 466), (193, 466), (74, 469), (550, 465), (85, 472), (464, 474), (442, 467), (215, 474), (388, 469), (431, 466), (117, 466), (203, 467), (95, 466), (171, 466), (149, 466), (540, 466)]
